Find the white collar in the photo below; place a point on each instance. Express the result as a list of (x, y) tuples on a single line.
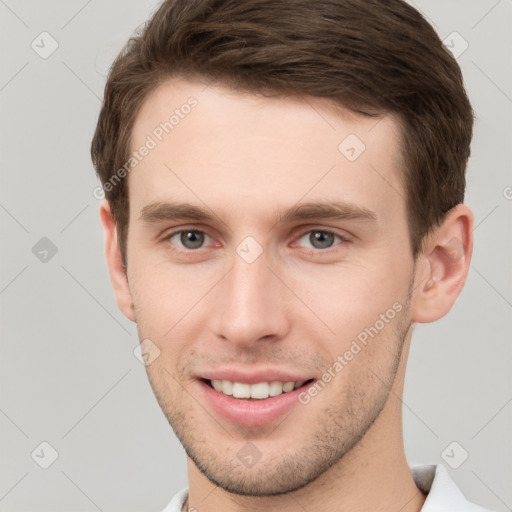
[(443, 494)]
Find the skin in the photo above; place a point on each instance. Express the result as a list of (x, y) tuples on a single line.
[(246, 159)]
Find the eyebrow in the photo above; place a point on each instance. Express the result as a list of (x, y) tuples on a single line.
[(327, 210), (158, 212), (170, 211)]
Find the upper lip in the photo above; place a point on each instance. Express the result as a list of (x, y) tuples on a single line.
[(253, 376)]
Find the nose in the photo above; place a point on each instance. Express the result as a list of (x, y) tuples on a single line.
[(251, 304)]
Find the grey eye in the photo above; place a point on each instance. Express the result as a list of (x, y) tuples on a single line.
[(319, 239), (189, 239)]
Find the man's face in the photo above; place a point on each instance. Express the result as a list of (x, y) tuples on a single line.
[(268, 285)]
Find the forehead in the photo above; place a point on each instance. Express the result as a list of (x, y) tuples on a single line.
[(209, 142)]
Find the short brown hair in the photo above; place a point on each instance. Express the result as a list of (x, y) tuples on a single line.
[(370, 56)]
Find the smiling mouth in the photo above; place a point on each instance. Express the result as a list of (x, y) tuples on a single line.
[(258, 391)]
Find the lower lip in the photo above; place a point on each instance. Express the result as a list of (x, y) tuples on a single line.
[(250, 412)]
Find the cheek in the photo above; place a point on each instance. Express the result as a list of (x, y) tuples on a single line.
[(160, 289), (168, 300), (350, 298)]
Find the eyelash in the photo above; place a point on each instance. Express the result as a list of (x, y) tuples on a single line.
[(342, 239)]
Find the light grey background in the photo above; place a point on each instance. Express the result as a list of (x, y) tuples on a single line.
[(68, 373)]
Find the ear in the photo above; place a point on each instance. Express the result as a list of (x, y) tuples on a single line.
[(443, 266), (115, 264)]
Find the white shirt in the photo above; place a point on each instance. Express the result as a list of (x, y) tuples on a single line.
[(443, 494)]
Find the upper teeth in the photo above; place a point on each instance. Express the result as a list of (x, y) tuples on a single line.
[(260, 390)]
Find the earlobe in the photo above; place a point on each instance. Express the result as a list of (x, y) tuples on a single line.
[(443, 266), (115, 264)]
